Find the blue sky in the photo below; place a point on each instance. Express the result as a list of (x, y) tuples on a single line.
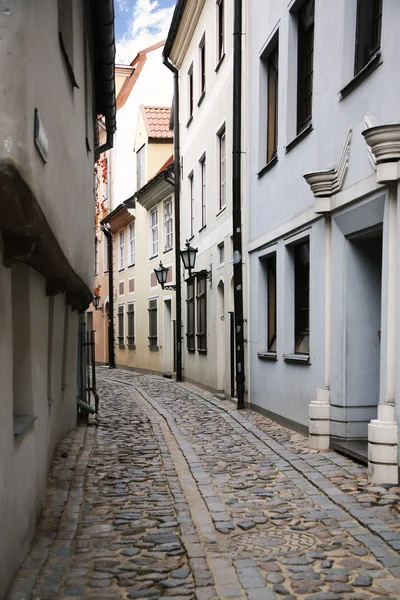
[(140, 23)]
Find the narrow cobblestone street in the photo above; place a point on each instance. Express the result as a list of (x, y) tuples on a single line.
[(176, 494)]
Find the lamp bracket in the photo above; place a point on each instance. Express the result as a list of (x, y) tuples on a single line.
[(169, 287), (203, 273)]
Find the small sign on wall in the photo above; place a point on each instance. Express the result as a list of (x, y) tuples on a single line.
[(40, 137)]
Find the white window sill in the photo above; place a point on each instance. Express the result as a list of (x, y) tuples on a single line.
[(22, 422)]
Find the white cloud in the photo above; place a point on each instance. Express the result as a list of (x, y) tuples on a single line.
[(149, 25)]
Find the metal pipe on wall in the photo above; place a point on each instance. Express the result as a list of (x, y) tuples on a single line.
[(237, 202), (178, 339)]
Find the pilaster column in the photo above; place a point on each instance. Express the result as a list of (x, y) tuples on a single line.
[(319, 424), (384, 142)]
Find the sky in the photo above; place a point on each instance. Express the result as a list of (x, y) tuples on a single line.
[(139, 24)]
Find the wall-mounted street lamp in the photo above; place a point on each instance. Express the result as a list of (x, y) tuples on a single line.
[(188, 256), (162, 274), (96, 301)]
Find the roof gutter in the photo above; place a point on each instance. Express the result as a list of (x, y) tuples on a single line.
[(104, 56), (173, 30)]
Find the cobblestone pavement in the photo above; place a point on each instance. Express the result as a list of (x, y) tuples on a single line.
[(176, 494)]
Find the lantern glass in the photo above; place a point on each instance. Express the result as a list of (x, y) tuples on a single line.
[(161, 274), (189, 256), (96, 300)]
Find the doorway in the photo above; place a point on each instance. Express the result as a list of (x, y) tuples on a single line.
[(221, 337), (362, 340), (167, 349)]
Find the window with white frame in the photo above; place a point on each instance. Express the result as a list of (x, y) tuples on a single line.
[(105, 255), (168, 224), (190, 92), (140, 168), (96, 256), (154, 232), (191, 184), (132, 245), (222, 168), (121, 249), (203, 192)]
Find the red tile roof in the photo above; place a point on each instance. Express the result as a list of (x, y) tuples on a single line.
[(157, 121)]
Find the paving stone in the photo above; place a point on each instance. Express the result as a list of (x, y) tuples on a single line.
[(279, 519)]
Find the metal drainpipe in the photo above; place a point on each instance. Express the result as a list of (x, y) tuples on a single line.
[(111, 349), (236, 202), (174, 70)]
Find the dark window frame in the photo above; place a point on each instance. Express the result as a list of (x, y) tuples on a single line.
[(121, 328), (301, 264), (272, 102), (153, 319), (190, 315), (201, 309), (203, 191), (190, 91), (202, 52), (305, 63), (130, 312), (222, 161), (270, 265), (220, 29), (368, 32)]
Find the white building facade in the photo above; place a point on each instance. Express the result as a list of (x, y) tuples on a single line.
[(202, 51), (324, 182)]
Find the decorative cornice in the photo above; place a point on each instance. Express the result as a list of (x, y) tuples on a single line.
[(325, 183), (368, 124), (384, 141), (185, 31)]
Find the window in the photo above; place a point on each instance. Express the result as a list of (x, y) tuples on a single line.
[(153, 232), (221, 252), (153, 337), (302, 297), (222, 169), (105, 256), (121, 243), (305, 64), (271, 301), (140, 168), (368, 31), (121, 324), (202, 52), (220, 29), (132, 244), (191, 183), (201, 314), (131, 324), (190, 316), (168, 222), (96, 257), (190, 91), (203, 193), (272, 106), (66, 35)]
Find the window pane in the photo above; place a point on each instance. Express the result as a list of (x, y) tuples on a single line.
[(140, 168), (272, 127), (271, 282), (305, 64), (302, 297), (368, 31)]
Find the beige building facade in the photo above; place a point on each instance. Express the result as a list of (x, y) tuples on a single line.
[(143, 234)]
